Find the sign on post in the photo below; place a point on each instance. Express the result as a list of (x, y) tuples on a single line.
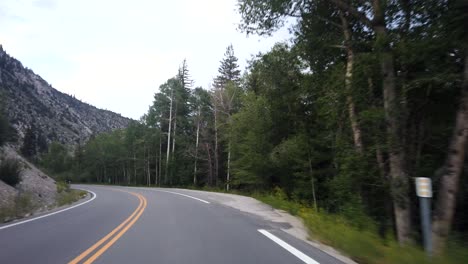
[(424, 191), (424, 187)]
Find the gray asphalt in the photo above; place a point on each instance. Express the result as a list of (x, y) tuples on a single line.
[(172, 229)]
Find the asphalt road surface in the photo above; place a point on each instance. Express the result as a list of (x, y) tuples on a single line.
[(139, 225)]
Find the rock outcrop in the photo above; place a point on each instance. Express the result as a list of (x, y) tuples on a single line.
[(31, 103)]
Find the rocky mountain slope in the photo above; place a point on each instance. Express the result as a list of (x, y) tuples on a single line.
[(33, 104)]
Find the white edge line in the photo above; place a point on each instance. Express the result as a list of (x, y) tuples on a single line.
[(198, 199), (42, 216), (291, 249)]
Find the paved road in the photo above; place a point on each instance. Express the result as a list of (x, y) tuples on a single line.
[(137, 225)]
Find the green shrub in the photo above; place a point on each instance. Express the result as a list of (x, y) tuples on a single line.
[(66, 195), (62, 187), (70, 196), (10, 170), (24, 205), (364, 245)]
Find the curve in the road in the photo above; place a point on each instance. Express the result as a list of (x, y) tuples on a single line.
[(181, 194), (123, 227)]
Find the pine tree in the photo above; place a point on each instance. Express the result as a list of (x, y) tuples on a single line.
[(228, 70), (225, 94)]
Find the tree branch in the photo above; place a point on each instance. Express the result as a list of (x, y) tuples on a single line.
[(329, 21), (354, 12)]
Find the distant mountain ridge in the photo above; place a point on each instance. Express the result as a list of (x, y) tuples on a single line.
[(30, 102)]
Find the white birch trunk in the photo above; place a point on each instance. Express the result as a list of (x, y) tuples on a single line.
[(168, 137), (228, 176), (357, 134), (160, 159), (196, 149), (216, 144), (175, 127)]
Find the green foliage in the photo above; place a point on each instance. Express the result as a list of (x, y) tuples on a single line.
[(57, 160), (251, 143), (70, 197), (10, 171), (62, 187), (228, 70), (65, 195), (24, 205), (362, 243), (264, 16)]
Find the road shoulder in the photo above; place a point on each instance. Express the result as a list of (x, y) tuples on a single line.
[(288, 223), (54, 210)]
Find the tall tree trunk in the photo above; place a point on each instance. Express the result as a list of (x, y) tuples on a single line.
[(155, 170), (379, 155), (169, 136), (210, 165), (312, 181), (160, 160), (216, 155), (446, 196), (105, 174), (380, 162), (127, 174), (357, 134), (175, 127), (134, 165), (123, 172), (196, 149), (173, 160), (148, 167), (400, 184), (228, 176)]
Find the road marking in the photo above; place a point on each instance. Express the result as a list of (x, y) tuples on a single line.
[(291, 249), (113, 240), (53, 213), (198, 199), (141, 207)]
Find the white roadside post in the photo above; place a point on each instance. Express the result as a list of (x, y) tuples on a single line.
[(424, 192)]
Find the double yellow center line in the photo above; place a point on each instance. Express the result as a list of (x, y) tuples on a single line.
[(110, 238)]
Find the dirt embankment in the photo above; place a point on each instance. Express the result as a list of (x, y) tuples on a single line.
[(34, 193)]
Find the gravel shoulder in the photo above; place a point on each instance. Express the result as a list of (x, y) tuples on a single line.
[(289, 223)]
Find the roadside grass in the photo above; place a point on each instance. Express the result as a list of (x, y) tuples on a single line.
[(66, 195), (23, 206), (7, 214), (364, 245)]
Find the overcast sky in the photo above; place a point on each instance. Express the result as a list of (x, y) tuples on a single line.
[(114, 54)]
